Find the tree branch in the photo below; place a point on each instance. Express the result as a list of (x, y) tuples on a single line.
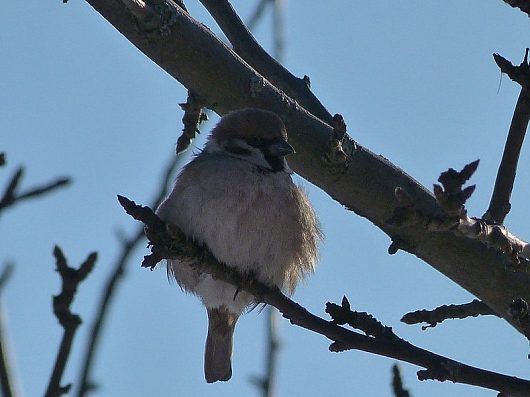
[(169, 242), (12, 197), (397, 383), (364, 183), (71, 278), (258, 12), (110, 289), (500, 199), (444, 312), (249, 49), (451, 197), (193, 116), (6, 377), (267, 382)]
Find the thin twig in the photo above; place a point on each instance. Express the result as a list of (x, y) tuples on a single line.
[(5, 276), (111, 286), (279, 30), (169, 242), (6, 377), (267, 383), (71, 278), (249, 49), (257, 14), (436, 316), (2, 159), (273, 345), (519, 74), (500, 200), (12, 197), (193, 116), (397, 383)]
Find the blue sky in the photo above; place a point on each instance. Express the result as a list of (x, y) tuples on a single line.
[(414, 80)]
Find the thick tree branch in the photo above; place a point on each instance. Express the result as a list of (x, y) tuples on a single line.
[(201, 62), (500, 199), (71, 278), (111, 286), (451, 197), (249, 49), (170, 243), (444, 312)]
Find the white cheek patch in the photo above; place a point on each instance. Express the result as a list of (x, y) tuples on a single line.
[(253, 155), (286, 167)]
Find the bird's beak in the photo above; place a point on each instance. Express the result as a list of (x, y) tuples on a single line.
[(281, 148)]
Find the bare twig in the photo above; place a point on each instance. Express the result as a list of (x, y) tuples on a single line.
[(451, 197), (273, 345), (12, 197), (257, 14), (267, 383), (523, 5), (397, 383), (500, 200), (193, 116), (249, 49), (6, 377), (519, 74), (2, 159), (169, 242), (279, 30), (342, 314), (5, 276), (111, 286), (444, 312), (71, 278)]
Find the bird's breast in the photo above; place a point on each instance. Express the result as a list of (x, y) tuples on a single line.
[(255, 222)]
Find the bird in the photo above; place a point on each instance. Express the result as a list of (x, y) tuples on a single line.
[(237, 198)]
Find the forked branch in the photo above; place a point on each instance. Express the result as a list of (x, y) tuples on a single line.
[(249, 49), (12, 196), (71, 278)]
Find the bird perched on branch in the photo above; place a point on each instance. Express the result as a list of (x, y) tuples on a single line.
[(238, 199)]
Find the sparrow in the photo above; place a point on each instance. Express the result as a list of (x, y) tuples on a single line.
[(237, 198)]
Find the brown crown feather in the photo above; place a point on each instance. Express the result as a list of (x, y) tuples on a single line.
[(249, 122)]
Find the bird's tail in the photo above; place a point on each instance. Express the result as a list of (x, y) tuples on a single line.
[(218, 352)]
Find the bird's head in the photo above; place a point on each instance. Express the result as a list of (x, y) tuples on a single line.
[(254, 135)]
